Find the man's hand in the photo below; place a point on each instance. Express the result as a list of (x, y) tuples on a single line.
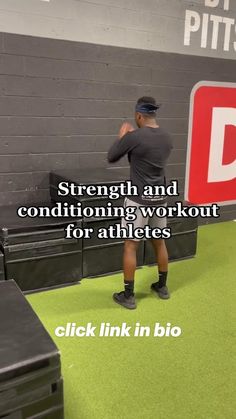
[(125, 128)]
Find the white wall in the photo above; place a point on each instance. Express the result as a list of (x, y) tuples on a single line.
[(144, 24)]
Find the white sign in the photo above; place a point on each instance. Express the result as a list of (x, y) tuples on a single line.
[(211, 27)]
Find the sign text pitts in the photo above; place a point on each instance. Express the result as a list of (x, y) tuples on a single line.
[(211, 30)]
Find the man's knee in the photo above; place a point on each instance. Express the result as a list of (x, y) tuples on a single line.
[(131, 245), (158, 243)]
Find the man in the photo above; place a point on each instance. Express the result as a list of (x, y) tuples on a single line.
[(148, 149)]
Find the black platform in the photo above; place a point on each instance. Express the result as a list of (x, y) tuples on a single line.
[(37, 255), (181, 245), (84, 177), (90, 177), (99, 256), (104, 256), (30, 369)]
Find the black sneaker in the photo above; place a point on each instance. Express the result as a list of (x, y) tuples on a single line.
[(127, 302), (163, 292)]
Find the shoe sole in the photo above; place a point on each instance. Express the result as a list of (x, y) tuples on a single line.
[(161, 296), (128, 307)]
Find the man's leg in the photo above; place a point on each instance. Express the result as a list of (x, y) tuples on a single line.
[(130, 259), (162, 263), (126, 297), (161, 254)]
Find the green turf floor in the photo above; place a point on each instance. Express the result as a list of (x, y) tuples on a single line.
[(188, 377)]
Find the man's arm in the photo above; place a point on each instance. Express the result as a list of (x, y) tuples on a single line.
[(122, 146)]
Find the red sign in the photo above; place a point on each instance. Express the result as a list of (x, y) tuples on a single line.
[(211, 155)]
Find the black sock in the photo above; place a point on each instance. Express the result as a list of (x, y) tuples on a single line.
[(162, 279), (129, 288)]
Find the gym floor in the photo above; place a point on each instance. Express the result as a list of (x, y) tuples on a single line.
[(189, 376)]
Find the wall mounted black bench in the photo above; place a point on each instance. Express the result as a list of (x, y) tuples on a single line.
[(105, 177), (31, 384), (181, 245), (37, 255), (100, 257), (104, 256)]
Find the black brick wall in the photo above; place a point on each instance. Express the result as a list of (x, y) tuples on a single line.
[(62, 102)]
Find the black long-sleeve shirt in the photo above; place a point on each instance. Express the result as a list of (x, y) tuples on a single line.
[(148, 150)]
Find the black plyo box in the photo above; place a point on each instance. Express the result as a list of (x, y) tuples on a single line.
[(100, 257), (37, 255), (48, 407), (106, 259), (104, 256), (107, 177), (182, 224), (30, 368), (181, 245)]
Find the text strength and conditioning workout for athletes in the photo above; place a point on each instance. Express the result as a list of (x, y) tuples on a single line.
[(127, 212)]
